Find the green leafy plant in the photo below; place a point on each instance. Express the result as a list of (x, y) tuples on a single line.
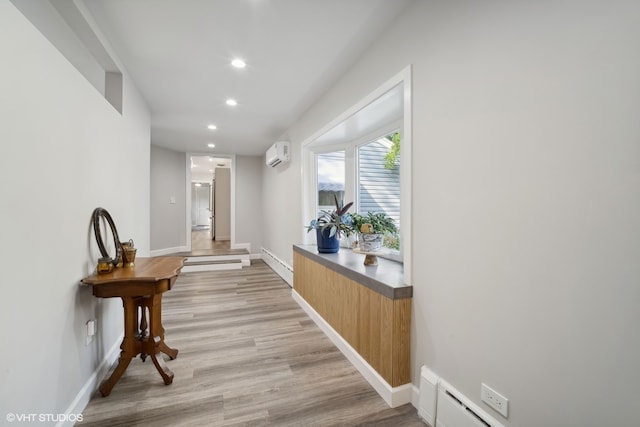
[(391, 241), (391, 159), (339, 221), (380, 223)]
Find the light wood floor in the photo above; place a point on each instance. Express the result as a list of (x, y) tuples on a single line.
[(203, 245), (249, 356), (201, 239)]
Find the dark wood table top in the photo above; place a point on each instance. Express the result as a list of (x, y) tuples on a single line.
[(145, 270)]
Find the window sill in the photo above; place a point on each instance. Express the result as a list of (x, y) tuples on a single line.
[(387, 278)]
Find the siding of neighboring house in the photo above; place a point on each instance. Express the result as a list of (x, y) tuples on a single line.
[(379, 189)]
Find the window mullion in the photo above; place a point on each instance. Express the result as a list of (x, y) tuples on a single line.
[(351, 180)]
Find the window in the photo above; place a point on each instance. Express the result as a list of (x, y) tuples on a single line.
[(330, 180), (367, 136), (375, 183), (379, 181)]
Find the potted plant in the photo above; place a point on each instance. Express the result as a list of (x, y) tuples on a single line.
[(372, 227), (330, 226)]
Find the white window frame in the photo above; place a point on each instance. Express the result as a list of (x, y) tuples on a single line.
[(309, 173), (347, 190)]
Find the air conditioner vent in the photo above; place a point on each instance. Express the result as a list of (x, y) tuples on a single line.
[(278, 153)]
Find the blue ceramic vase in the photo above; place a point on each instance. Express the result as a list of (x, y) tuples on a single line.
[(326, 244)]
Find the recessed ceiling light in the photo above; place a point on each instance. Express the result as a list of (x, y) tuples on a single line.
[(212, 127), (210, 170), (211, 159), (238, 63), (211, 145), (232, 102)]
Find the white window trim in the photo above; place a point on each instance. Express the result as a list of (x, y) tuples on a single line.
[(309, 173)]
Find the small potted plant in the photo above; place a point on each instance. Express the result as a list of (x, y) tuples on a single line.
[(372, 227), (330, 226)]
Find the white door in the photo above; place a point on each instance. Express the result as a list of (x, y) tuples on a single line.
[(212, 209), (203, 204)]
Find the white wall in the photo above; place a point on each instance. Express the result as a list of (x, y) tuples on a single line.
[(248, 221), (86, 155), (282, 205), (168, 220), (526, 199)]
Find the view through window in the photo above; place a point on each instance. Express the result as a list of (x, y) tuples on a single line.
[(331, 180), (375, 164), (379, 181)]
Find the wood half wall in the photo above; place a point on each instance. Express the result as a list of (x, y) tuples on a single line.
[(376, 326)]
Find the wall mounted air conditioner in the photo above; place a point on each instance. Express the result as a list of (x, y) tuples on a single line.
[(277, 153)]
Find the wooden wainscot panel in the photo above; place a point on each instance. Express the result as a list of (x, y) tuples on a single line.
[(401, 342), (376, 326), (369, 317), (345, 302), (386, 340)]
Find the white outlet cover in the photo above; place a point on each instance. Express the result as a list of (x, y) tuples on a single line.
[(494, 399), (91, 328)]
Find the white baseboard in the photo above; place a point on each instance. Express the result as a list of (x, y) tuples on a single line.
[(167, 251), (394, 396), (246, 246), (415, 396), (84, 395), (283, 269)]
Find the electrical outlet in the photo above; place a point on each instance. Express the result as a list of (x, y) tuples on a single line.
[(91, 331), (494, 399)]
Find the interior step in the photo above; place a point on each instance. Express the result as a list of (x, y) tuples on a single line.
[(231, 261), (216, 262)]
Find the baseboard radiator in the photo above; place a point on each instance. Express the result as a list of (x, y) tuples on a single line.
[(280, 267), (441, 405)]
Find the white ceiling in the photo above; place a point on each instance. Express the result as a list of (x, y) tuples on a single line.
[(206, 163), (178, 53), (203, 167)]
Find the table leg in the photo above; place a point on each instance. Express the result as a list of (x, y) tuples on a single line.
[(155, 342), (171, 352), (163, 369), (129, 345), (141, 309), (159, 330)]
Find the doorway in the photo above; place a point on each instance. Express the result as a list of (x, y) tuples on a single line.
[(209, 204), (200, 206)]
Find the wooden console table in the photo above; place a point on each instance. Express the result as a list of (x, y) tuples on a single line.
[(140, 288)]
